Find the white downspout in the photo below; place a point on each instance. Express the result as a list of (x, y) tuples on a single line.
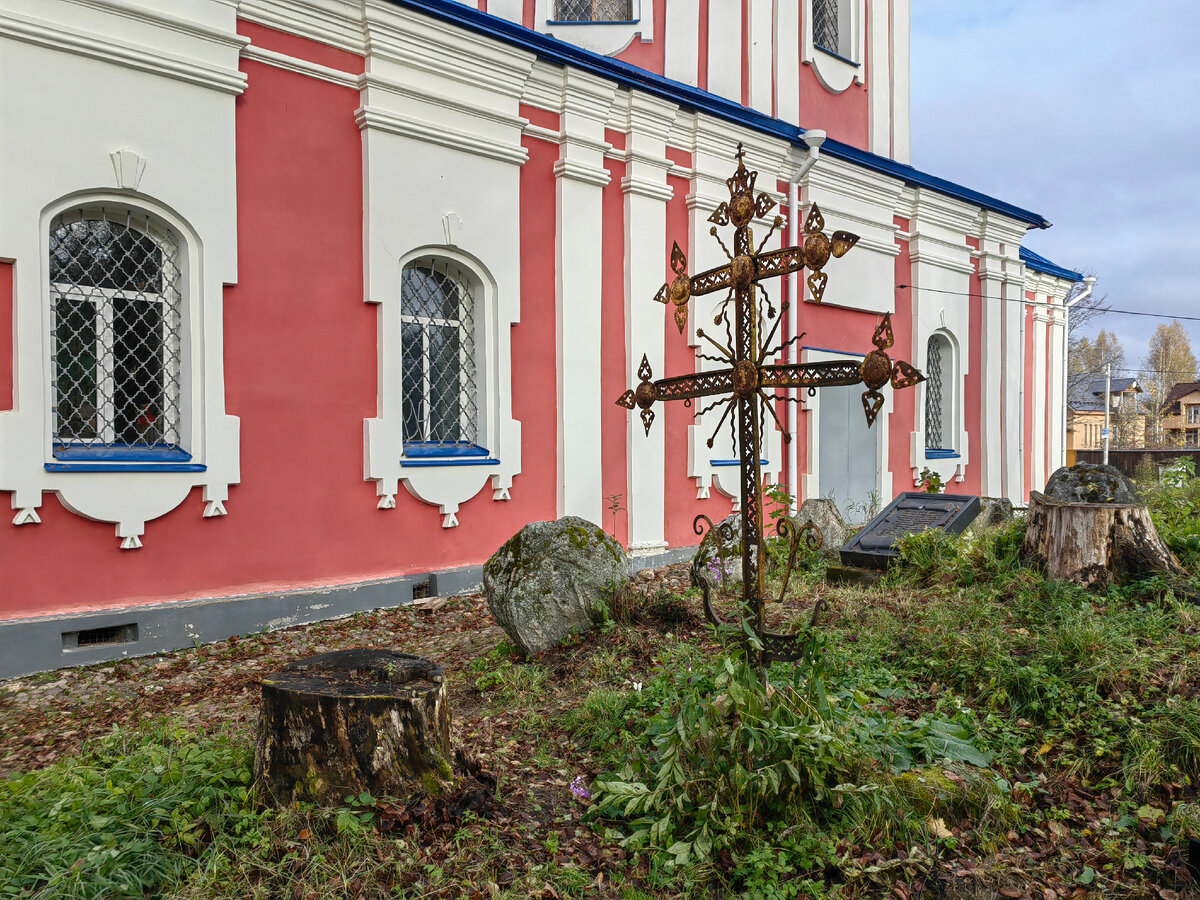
[(813, 139)]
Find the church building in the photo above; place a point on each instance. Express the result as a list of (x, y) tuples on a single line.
[(306, 306)]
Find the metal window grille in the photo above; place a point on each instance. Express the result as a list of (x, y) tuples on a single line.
[(117, 310), (594, 10), (826, 30), (440, 390), (933, 395)]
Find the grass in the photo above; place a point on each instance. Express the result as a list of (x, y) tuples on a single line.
[(966, 721)]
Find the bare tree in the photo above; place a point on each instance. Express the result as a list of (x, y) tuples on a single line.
[(1169, 360)]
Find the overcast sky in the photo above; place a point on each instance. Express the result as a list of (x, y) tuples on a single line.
[(1087, 112)]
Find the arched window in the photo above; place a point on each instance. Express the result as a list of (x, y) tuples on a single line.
[(440, 350), (940, 431), (593, 10), (116, 302)]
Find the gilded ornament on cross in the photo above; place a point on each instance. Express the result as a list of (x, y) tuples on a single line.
[(748, 379)]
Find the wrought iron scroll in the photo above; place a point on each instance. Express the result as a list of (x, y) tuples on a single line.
[(747, 383)]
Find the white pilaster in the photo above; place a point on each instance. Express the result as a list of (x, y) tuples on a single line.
[(725, 49), (1013, 378), (1039, 436), (900, 81), (580, 178), (991, 373), (646, 196), (1058, 397), (762, 75), (682, 44), (787, 62), (879, 93)]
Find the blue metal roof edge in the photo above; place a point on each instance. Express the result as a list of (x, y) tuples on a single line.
[(549, 48), (1039, 263)]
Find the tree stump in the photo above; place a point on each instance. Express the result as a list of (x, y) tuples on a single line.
[(352, 721), (1095, 544)]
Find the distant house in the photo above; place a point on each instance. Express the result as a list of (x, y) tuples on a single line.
[(1181, 414), (1085, 412)]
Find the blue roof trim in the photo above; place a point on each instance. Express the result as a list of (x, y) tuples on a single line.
[(554, 50), (1039, 263)]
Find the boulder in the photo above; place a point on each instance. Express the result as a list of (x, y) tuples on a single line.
[(551, 579), (993, 511), (825, 515), (1088, 483)]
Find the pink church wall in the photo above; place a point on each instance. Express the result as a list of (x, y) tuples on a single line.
[(650, 56), (303, 515), (6, 336)]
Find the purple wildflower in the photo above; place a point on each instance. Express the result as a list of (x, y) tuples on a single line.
[(579, 790)]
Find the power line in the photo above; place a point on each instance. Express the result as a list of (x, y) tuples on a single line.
[(1119, 312)]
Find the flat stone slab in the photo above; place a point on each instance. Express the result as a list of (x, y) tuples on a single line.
[(911, 512)]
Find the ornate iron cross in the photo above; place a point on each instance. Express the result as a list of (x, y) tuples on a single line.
[(748, 376)]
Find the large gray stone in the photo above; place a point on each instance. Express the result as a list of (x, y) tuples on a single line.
[(993, 512), (825, 515), (1087, 483), (551, 579)]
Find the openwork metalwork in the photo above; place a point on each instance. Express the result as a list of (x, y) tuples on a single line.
[(437, 314), (117, 307), (749, 380), (593, 10), (933, 395), (826, 30)]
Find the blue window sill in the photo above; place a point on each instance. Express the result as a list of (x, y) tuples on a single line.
[(442, 449), (122, 458), (942, 454), (450, 461), (125, 467), (735, 462), (829, 52), (592, 22)]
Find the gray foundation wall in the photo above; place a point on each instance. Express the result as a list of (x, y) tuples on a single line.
[(54, 642)]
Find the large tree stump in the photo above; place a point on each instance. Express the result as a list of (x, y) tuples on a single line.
[(353, 721), (1095, 544)]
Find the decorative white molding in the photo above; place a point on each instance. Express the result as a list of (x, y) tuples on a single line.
[(133, 542), (128, 168), (122, 49), (451, 138), (112, 49), (214, 509), (333, 22), (300, 66), (386, 501), (27, 516)]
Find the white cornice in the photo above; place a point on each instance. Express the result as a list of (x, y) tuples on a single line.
[(840, 177), (409, 90), (643, 187), (160, 19), (41, 33), (427, 132), (543, 88), (414, 41), (337, 23), (301, 66), (574, 170)]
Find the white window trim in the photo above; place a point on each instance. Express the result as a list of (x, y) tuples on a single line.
[(606, 38), (125, 493), (837, 72), (951, 406), (446, 481), (949, 468)]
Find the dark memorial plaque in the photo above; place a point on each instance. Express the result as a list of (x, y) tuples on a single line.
[(874, 546)]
